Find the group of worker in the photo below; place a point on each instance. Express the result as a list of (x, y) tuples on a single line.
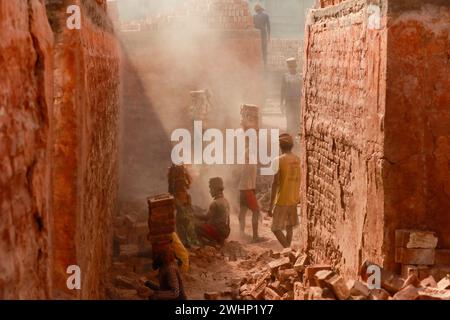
[(214, 227)]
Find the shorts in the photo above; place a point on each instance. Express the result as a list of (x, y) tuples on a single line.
[(212, 233), (284, 216), (247, 199)]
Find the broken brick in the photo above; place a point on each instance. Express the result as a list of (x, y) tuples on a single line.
[(429, 282), (379, 294), (314, 293), (300, 263), (429, 293), (338, 286), (270, 294), (321, 276), (285, 274), (357, 288), (276, 264), (414, 239), (299, 291), (411, 280), (408, 293), (310, 271), (261, 283), (389, 281), (444, 283)]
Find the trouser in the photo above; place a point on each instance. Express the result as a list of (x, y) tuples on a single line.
[(264, 43), (248, 201), (293, 117)]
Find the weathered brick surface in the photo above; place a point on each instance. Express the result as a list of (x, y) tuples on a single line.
[(343, 110), (85, 145), (25, 124), (417, 121), (375, 129), (58, 143)]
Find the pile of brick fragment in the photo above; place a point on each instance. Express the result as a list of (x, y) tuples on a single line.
[(289, 276)]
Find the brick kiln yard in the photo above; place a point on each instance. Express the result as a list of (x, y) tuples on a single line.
[(86, 118)]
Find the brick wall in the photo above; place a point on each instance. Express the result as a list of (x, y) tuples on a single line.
[(58, 142), (85, 146), (211, 14), (417, 122), (25, 124), (281, 49), (374, 139)]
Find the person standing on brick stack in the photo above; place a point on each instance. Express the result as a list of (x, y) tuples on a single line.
[(214, 228), (290, 97), (285, 194), (261, 21)]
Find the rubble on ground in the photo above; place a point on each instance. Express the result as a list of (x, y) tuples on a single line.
[(288, 275)]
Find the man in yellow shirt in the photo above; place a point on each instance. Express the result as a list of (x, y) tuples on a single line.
[(285, 194)]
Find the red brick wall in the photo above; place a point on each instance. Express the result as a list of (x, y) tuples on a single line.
[(25, 113), (417, 144), (85, 146), (376, 129), (58, 142), (342, 113)]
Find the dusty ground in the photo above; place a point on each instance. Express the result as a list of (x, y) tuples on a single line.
[(218, 275)]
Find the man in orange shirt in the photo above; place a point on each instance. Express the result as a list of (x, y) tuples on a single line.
[(285, 192)]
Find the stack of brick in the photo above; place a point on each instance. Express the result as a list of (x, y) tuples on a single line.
[(281, 49), (161, 221), (214, 14), (249, 117), (417, 253)]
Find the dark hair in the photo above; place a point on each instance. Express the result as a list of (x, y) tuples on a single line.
[(286, 146)]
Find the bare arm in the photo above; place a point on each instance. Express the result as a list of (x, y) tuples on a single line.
[(273, 193)]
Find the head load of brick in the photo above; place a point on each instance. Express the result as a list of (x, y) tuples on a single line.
[(179, 183), (200, 106), (249, 117), (161, 219)]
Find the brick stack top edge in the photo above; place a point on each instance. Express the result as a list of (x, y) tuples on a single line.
[(328, 3), (213, 14)]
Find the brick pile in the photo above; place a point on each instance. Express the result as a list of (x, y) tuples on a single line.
[(418, 254), (281, 49), (249, 117), (290, 276), (215, 14)]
